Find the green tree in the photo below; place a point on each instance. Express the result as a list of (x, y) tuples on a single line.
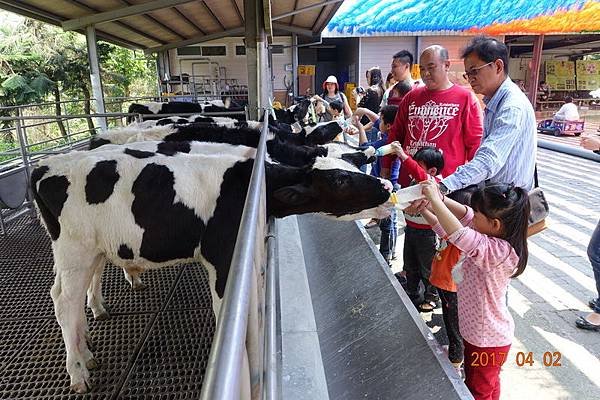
[(40, 62)]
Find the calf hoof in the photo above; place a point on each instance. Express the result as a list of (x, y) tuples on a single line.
[(91, 363), (103, 316), (138, 287), (81, 387)]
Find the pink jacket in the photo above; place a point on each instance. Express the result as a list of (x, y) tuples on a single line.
[(483, 316)]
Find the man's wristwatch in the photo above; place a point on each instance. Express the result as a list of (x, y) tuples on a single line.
[(443, 189)]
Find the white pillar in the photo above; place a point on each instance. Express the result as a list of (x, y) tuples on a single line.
[(90, 35), (295, 63)]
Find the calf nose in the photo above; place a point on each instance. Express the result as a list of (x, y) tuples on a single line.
[(387, 185), (369, 151)]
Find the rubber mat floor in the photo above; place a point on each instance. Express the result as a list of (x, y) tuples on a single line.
[(154, 346)]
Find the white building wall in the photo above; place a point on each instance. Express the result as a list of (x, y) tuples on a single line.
[(378, 51), (235, 66)]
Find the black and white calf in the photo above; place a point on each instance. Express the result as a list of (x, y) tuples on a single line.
[(152, 110), (158, 210), (287, 148)]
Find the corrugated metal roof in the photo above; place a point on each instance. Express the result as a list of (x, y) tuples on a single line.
[(169, 23), (452, 17)]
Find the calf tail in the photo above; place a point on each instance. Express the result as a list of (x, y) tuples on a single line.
[(49, 198)]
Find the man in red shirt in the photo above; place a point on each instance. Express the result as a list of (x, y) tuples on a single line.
[(442, 115)]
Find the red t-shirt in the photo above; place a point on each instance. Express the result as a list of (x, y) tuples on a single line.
[(449, 119)]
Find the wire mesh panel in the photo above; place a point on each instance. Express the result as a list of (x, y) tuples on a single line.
[(155, 345)]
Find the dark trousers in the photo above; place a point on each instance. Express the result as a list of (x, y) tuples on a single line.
[(456, 347), (419, 249), (482, 370), (593, 252)]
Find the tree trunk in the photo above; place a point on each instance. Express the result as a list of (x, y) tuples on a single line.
[(87, 109), (60, 122)]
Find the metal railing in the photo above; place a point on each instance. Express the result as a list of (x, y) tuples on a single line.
[(223, 380)]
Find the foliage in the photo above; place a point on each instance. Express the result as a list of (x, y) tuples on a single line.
[(41, 63)]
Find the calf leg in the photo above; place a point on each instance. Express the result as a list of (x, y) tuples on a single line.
[(73, 275), (95, 299)]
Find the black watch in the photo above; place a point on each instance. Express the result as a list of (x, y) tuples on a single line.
[(444, 189)]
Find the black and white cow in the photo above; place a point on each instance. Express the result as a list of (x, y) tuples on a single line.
[(153, 110), (283, 147), (158, 210)]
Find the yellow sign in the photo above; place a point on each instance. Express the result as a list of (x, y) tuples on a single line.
[(306, 69), (588, 75), (560, 75)]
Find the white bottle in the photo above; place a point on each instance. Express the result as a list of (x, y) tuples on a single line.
[(384, 150)]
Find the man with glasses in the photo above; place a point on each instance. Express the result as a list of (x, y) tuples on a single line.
[(508, 147), (444, 116)]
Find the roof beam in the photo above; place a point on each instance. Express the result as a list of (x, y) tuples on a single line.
[(107, 16), (195, 40), (238, 12), (214, 17), (120, 23), (304, 9), (293, 29)]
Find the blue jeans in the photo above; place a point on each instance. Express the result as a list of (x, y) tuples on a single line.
[(387, 243), (593, 252)]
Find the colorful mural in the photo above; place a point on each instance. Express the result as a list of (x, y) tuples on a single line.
[(448, 17)]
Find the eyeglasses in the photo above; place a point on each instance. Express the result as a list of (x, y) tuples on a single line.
[(474, 71)]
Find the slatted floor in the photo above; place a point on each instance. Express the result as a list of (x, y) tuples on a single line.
[(154, 346)]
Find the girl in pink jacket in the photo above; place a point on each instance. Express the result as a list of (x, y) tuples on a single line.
[(492, 237)]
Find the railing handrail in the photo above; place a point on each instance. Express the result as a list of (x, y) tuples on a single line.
[(222, 377)]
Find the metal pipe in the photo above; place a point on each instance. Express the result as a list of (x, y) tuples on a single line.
[(272, 345), (570, 150), (95, 76), (222, 379)]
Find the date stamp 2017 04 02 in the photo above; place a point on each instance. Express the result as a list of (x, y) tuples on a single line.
[(522, 359)]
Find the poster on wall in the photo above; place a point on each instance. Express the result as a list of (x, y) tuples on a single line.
[(560, 75), (588, 75)]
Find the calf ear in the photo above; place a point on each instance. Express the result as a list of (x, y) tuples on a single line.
[(295, 195)]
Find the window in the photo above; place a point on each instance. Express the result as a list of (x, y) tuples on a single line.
[(205, 51), (277, 49), (214, 51), (240, 50), (189, 51)]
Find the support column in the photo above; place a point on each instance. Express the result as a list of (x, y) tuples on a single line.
[(251, 39), (534, 74), (295, 63), (90, 35)]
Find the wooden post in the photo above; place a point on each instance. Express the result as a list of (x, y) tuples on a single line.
[(534, 74)]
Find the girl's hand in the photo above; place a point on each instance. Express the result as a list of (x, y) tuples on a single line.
[(431, 190), (398, 150)]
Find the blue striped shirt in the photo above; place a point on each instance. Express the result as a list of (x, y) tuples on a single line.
[(508, 146)]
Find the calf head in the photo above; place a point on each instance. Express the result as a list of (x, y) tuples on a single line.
[(331, 187), (354, 155), (322, 133)]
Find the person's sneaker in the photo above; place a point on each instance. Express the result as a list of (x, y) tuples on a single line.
[(429, 305), (401, 278), (593, 303)]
